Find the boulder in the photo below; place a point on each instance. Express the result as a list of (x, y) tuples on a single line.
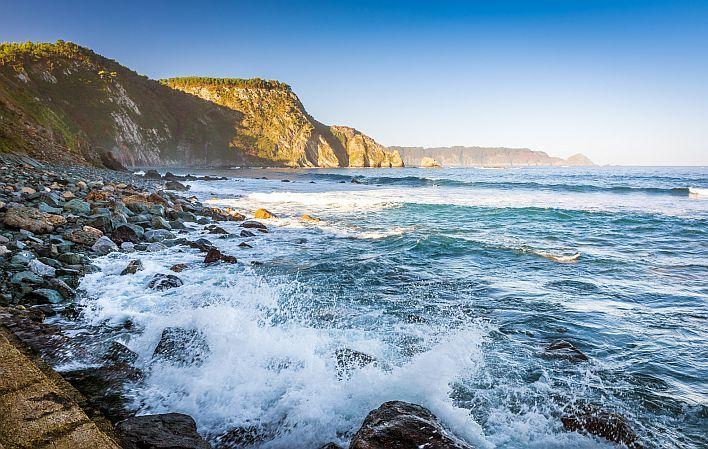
[(110, 162), (593, 420), (47, 295), (32, 219), (181, 347), (174, 185), (133, 267), (104, 245), (152, 174), (401, 425), (178, 268), (263, 214), (162, 282), (41, 269), (160, 223), (155, 246), (251, 224), (348, 360), (158, 235), (561, 349), (217, 230), (77, 206), (245, 233), (128, 233), (308, 217), (87, 235), (170, 430), (214, 255)]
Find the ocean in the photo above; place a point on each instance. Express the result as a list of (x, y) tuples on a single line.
[(455, 281)]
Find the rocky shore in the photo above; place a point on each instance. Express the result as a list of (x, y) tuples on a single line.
[(54, 220)]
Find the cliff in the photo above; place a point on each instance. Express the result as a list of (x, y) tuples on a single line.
[(64, 103), (276, 126), (486, 157)]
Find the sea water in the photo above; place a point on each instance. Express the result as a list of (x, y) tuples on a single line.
[(455, 280)]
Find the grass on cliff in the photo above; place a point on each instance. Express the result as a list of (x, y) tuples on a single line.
[(252, 83)]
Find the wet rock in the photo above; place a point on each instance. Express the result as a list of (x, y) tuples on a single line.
[(214, 255), (72, 258), (244, 245), (245, 233), (158, 235), (128, 247), (174, 185), (171, 430), (263, 214), (32, 219), (331, 446), (401, 425), (104, 245), (307, 217), (78, 207), (162, 282), (133, 267), (47, 295), (178, 268), (348, 360), (87, 235), (593, 420), (4, 251), (128, 233), (182, 347), (41, 269), (156, 246), (62, 287), (25, 277), (44, 207), (202, 245), (251, 224), (217, 230), (152, 174), (160, 223), (22, 259), (118, 353), (561, 349)]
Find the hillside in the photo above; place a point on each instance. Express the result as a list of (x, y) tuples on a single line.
[(65, 103), (486, 157), (277, 127)]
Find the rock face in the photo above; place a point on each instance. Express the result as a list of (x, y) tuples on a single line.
[(64, 103), (171, 430), (429, 162), (485, 157), (401, 425), (598, 422), (277, 128)]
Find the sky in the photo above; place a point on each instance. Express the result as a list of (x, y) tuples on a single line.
[(624, 82)]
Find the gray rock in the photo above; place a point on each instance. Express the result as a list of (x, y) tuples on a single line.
[(25, 276), (133, 267), (128, 247), (4, 251), (44, 207), (182, 347), (41, 269), (104, 245), (77, 206), (162, 282), (21, 259), (158, 235), (171, 430), (48, 295), (72, 258), (160, 223)]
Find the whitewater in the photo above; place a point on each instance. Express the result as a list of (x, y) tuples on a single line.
[(454, 280)]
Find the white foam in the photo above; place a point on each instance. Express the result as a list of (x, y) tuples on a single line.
[(696, 192)]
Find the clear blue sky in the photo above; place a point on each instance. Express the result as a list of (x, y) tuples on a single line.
[(624, 82)]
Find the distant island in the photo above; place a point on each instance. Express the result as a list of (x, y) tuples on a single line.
[(460, 156)]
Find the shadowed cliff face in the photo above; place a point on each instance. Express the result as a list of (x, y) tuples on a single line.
[(275, 126), (64, 103)]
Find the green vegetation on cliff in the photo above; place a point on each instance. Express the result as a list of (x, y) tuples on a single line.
[(66, 103)]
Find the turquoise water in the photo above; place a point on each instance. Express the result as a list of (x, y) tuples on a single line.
[(455, 280)]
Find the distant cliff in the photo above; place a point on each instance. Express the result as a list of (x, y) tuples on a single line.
[(65, 103), (276, 126), (485, 157)]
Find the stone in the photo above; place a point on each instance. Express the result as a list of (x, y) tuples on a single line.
[(178, 268), (217, 230), (47, 295), (44, 207), (561, 349), (104, 245), (133, 267), (158, 235), (162, 282), (593, 420), (128, 247), (27, 191), (25, 277), (87, 235), (402, 425), (67, 195), (307, 217), (348, 360), (82, 185), (174, 185), (41, 269), (156, 246), (251, 224), (152, 174), (62, 287), (170, 430), (72, 258), (32, 219), (4, 251), (245, 233), (244, 245), (97, 195), (128, 233), (77, 206), (263, 214), (214, 255), (160, 223), (22, 259), (104, 388), (181, 347)]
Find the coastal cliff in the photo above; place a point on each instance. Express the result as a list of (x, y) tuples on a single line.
[(459, 156), (277, 127), (64, 103)]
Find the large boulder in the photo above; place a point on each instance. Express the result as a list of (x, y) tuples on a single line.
[(33, 220), (162, 282), (170, 430), (182, 347), (593, 420), (401, 425), (563, 350), (128, 233), (263, 214)]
